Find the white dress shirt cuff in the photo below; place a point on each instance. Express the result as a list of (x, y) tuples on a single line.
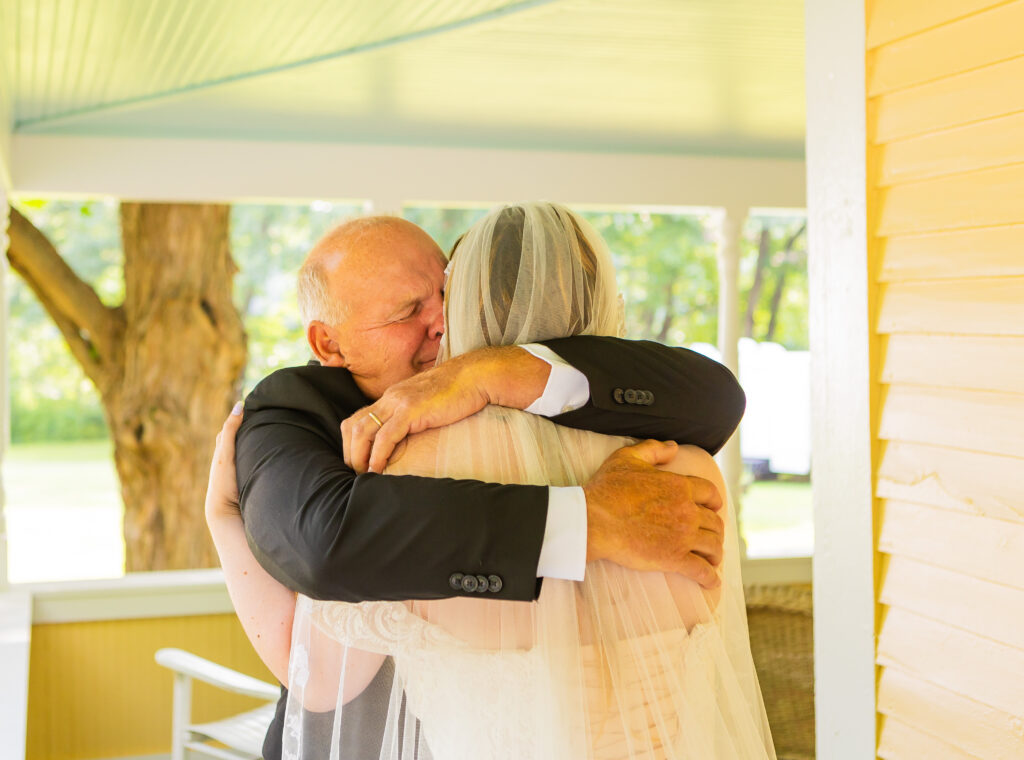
[(567, 388), (563, 552)]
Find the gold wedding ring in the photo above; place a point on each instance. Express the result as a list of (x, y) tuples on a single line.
[(376, 419)]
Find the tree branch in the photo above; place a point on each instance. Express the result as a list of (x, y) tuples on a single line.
[(93, 331)]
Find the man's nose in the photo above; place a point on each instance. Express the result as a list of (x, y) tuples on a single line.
[(435, 327)]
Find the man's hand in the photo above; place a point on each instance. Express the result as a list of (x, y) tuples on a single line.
[(648, 519), (222, 491), (507, 376)]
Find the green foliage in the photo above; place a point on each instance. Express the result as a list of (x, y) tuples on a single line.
[(666, 268), (51, 399), (665, 264), (50, 396), (269, 243), (785, 267), (667, 274), (445, 224)]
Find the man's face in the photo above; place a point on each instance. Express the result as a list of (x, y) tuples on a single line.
[(393, 288)]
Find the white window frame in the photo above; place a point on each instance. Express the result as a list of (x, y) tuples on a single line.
[(244, 171)]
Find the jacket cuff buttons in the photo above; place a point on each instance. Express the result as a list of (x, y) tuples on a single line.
[(478, 584), (633, 396)]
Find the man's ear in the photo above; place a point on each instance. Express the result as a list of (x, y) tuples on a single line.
[(324, 344)]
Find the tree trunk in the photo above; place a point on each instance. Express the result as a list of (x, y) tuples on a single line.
[(167, 363), (780, 281), (184, 353), (776, 302), (764, 248), (666, 323)]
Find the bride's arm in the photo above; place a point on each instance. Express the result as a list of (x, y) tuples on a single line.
[(264, 607)]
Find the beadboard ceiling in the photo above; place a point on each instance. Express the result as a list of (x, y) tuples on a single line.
[(720, 77)]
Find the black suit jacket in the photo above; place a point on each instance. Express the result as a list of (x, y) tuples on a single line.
[(324, 531)]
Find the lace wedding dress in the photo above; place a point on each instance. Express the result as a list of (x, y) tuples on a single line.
[(624, 665)]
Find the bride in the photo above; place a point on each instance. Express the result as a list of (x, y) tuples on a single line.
[(624, 664)]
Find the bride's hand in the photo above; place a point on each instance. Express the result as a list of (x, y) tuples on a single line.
[(222, 490)]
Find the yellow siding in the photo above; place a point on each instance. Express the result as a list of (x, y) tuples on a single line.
[(946, 183), (83, 706), (897, 739)]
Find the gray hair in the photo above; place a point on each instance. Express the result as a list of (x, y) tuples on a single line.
[(314, 294)]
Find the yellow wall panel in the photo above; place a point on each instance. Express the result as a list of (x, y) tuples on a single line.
[(975, 728), (95, 691), (893, 19), (972, 96), (985, 145), (971, 420), (898, 741), (958, 600), (969, 43), (980, 547), (977, 199), (968, 362), (978, 252), (971, 666), (965, 481), (945, 191), (977, 306)]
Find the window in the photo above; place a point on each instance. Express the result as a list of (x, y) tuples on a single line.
[(666, 264), (63, 505), (775, 436)]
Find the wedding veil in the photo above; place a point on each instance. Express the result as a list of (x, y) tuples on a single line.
[(621, 665)]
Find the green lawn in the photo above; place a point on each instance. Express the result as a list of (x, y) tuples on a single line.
[(64, 513), (776, 519)]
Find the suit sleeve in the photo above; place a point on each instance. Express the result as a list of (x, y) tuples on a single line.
[(326, 532), (649, 390)]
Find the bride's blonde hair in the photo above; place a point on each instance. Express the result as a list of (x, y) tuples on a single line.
[(528, 272)]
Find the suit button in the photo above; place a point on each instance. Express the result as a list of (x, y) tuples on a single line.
[(617, 395), (650, 397), (455, 581), (494, 583), (646, 398), (630, 396), (469, 583), (482, 580)]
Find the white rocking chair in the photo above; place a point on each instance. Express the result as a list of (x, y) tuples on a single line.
[(241, 734)]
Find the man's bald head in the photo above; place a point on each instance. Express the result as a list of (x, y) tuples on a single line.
[(346, 251), (370, 293)]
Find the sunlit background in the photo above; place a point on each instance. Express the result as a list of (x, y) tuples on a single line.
[(64, 510)]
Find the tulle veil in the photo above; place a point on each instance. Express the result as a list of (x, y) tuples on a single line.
[(621, 665)]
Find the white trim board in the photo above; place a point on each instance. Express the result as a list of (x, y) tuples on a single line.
[(15, 638), (844, 598), (210, 170), (137, 595), (202, 592)]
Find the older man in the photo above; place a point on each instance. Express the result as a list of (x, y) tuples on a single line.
[(322, 520)]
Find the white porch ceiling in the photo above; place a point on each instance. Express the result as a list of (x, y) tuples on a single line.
[(680, 76)]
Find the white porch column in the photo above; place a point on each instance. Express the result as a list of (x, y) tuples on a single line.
[(730, 458), (842, 378)]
